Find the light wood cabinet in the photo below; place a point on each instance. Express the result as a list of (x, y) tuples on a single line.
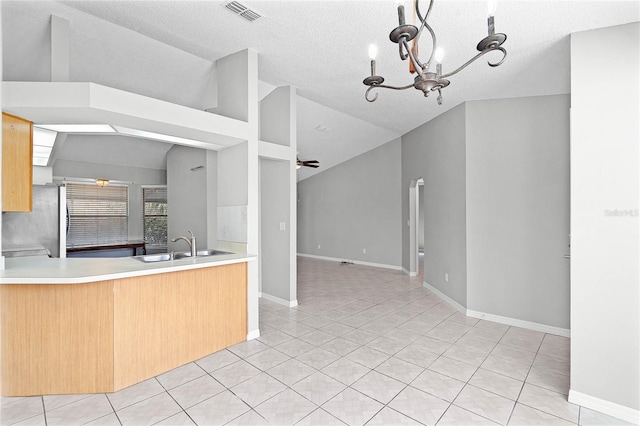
[(104, 336), (17, 160)]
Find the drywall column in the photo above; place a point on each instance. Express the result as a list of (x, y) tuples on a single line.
[(59, 49), (238, 98), (605, 306), (232, 198), (518, 211), (212, 199), (186, 196), (278, 209), (435, 152), (274, 232)]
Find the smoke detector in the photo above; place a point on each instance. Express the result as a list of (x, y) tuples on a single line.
[(242, 10)]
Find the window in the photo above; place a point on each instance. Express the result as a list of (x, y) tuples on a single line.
[(154, 201), (97, 215)]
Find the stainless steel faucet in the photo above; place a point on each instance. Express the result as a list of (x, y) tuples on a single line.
[(191, 241)]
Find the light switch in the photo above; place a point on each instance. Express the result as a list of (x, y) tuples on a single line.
[(283, 226)]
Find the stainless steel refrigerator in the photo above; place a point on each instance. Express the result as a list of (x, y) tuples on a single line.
[(39, 232)]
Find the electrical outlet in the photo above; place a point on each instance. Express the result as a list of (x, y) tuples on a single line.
[(318, 245), (283, 226), (364, 251), (446, 277)]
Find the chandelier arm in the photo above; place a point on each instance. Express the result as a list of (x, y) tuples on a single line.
[(433, 38), (428, 10), (417, 7), (484, 52), (402, 54), (504, 56), (386, 86), (366, 94), (423, 24), (416, 63), (423, 21)]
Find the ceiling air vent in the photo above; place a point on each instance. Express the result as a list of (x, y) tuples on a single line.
[(323, 128), (242, 10)]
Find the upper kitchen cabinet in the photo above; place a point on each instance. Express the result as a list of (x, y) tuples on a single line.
[(17, 170)]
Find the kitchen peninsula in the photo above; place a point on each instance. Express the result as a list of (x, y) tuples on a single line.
[(94, 325)]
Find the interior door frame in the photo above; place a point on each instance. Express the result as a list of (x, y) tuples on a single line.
[(414, 225)]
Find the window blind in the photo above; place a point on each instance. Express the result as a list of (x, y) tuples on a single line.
[(155, 217), (97, 215)]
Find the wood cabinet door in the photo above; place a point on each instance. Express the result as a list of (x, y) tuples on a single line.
[(17, 160)]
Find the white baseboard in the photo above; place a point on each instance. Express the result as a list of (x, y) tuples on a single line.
[(279, 301), (355, 262), (606, 407), (500, 319), (253, 334), (446, 298), (564, 332), (411, 274)]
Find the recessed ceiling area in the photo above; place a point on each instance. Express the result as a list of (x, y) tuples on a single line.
[(115, 150)]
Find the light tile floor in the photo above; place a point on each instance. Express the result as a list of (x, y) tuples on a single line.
[(364, 346)]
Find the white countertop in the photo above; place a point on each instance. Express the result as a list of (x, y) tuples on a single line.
[(45, 270)]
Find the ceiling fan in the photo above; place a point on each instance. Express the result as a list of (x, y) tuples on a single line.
[(310, 163)]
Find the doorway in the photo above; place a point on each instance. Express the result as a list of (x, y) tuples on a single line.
[(416, 226)]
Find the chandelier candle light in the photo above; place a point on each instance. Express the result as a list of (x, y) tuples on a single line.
[(426, 80)]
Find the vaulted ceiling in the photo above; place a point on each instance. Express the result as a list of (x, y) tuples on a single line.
[(168, 49)]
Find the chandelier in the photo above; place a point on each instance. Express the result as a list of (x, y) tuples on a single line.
[(426, 80)]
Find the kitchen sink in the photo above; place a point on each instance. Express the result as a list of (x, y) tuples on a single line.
[(164, 257), (212, 252), (150, 258)]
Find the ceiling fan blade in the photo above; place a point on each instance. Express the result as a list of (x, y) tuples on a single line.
[(307, 163)]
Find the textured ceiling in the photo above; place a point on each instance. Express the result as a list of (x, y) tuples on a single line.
[(167, 50)]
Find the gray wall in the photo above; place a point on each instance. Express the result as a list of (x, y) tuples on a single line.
[(232, 176), (275, 106), (233, 91), (605, 299), (435, 152), (274, 242), (354, 206), (518, 208), (212, 200), (187, 195)]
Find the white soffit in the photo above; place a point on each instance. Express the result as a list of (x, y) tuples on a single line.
[(79, 103)]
